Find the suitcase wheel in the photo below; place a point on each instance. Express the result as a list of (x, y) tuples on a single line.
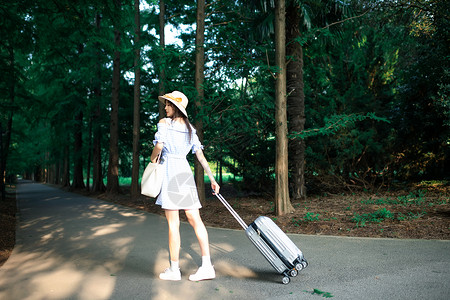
[(286, 280), (305, 264), (293, 272)]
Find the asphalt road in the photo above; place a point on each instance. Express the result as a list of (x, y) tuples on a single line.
[(74, 247)]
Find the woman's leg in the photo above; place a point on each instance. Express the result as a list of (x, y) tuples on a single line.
[(206, 271), (196, 222), (173, 220)]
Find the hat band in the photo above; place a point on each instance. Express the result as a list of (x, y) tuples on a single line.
[(173, 98)]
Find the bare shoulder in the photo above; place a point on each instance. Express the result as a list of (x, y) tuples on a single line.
[(162, 121)]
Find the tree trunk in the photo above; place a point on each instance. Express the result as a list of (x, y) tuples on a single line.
[(135, 188), (78, 182), (97, 177), (7, 141), (113, 166), (57, 170), (47, 167), (199, 78), (2, 168), (66, 173), (88, 167), (296, 101), (162, 44), (282, 202)]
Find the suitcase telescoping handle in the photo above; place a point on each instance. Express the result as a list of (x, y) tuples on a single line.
[(232, 211)]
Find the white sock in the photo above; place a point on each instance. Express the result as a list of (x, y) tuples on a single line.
[(206, 261), (174, 265)]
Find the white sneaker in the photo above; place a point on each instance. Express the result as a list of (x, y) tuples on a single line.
[(170, 275), (203, 273)]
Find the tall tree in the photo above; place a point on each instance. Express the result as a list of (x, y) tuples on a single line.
[(113, 166), (295, 99), (5, 142), (135, 189), (97, 176), (14, 44), (78, 182), (282, 202), (162, 44), (299, 21), (199, 79)]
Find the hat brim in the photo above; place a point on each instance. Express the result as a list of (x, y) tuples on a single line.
[(181, 108)]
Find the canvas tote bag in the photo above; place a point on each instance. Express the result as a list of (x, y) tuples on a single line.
[(152, 179)]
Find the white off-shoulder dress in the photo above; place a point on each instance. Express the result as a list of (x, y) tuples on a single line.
[(178, 189)]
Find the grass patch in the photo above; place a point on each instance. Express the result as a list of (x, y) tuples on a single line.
[(308, 217), (375, 217), (383, 214)]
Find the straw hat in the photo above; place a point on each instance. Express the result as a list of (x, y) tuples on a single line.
[(178, 99)]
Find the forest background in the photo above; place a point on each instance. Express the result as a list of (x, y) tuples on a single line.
[(365, 98)]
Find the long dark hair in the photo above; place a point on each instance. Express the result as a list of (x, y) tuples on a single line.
[(179, 114)]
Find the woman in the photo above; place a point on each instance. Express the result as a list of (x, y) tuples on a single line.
[(173, 141)]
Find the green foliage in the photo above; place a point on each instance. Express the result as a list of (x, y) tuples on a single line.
[(375, 217), (383, 214), (336, 123), (376, 96), (364, 73), (409, 216), (308, 217), (413, 198), (311, 217)]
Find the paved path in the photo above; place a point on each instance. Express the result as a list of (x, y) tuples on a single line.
[(74, 247)]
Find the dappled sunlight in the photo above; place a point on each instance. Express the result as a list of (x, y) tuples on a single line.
[(121, 247), (93, 215), (88, 250), (73, 249), (29, 224), (53, 277), (183, 289), (122, 242), (100, 211), (107, 229), (226, 268), (222, 247), (55, 234), (161, 262), (105, 207), (97, 286), (58, 284), (140, 217), (25, 262), (51, 198)]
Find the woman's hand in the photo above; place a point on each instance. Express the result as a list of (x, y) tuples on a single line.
[(215, 187)]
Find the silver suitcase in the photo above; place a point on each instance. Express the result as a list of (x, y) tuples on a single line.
[(284, 256)]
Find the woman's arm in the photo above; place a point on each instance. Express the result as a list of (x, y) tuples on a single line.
[(201, 158), (156, 150), (158, 147)]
